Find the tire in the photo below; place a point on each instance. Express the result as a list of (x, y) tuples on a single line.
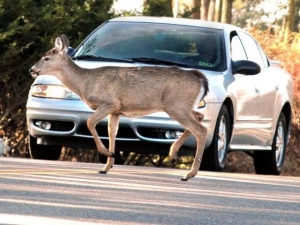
[(271, 162), (214, 157), (48, 152)]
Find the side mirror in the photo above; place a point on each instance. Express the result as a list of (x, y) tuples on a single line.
[(70, 51), (245, 67)]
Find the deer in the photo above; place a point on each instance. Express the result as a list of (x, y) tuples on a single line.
[(114, 91)]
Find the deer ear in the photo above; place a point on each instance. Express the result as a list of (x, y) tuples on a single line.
[(65, 41), (62, 43)]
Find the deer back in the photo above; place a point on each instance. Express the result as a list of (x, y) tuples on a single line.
[(144, 87)]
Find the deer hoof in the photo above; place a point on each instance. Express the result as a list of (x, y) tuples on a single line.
[(102, 172), (173, 164), (184, 179)]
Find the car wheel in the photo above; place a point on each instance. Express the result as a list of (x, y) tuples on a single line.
[(271, 162), (48, 152), (214, 157)]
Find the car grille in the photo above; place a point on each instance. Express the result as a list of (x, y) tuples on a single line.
[(123, 132), (152, 132)]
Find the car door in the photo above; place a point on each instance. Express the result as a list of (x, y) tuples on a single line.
[(265, 87), (245, 95)]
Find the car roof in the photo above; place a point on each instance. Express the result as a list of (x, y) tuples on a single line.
[(178, 21)]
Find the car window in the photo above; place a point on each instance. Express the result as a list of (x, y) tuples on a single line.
[(252, 50), (174, 43), (264, 57), (237, 49)]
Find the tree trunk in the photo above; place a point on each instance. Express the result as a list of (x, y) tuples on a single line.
[(211, 10), (218, 10), (204, 9), (196, 5), (290, 22), (226, 11)]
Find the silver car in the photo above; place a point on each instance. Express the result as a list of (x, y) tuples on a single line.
[(248, 107)]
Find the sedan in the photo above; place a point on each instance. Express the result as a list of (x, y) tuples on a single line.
[(248, 107)]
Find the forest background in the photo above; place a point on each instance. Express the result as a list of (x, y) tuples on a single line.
[(28, 29)]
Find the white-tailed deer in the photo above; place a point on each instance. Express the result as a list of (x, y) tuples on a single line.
[(131, 91)]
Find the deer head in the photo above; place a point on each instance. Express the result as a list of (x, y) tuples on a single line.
[(50, 63)]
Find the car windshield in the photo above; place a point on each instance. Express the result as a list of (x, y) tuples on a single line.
[(156, 43)]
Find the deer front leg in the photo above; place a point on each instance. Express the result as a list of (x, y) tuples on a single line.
[(92, 121), (113, 125), (173, 154)]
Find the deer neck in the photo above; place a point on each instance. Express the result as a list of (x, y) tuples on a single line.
[(72, 76)]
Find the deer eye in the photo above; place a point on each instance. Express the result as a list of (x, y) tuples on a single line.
[(46, 59)]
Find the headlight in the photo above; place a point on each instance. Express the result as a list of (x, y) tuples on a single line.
[(52, 91), (202, 104)]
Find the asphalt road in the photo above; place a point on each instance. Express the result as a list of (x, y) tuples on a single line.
[(55, 192)]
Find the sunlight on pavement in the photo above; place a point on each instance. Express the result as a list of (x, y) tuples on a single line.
[(30, 220), (13, 219)]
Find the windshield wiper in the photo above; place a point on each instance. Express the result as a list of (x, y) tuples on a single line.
[(131, 60), (158, 61), (100, 58)]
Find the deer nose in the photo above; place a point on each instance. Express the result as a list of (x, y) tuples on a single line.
[(33, 73)]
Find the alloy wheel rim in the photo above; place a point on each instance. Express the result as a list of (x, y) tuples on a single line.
[(279, 145), (222, 139)]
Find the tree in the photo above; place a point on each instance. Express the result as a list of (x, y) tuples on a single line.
[(196, 6), (290, 21), (158, 8), (204, 9), (247, 13), (218, 11), (211, 10), (226, 11), (27, 30)]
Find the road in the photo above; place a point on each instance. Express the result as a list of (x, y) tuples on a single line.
[(57, 192)]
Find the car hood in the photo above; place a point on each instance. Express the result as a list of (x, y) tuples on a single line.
[(50, 79)]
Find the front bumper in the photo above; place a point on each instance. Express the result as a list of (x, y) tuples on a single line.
[(68, 125)]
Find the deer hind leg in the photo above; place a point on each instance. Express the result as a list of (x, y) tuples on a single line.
[(173, 154), (113, 125), (190, 120), (198, 116), (92, 121), (200, 135)]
